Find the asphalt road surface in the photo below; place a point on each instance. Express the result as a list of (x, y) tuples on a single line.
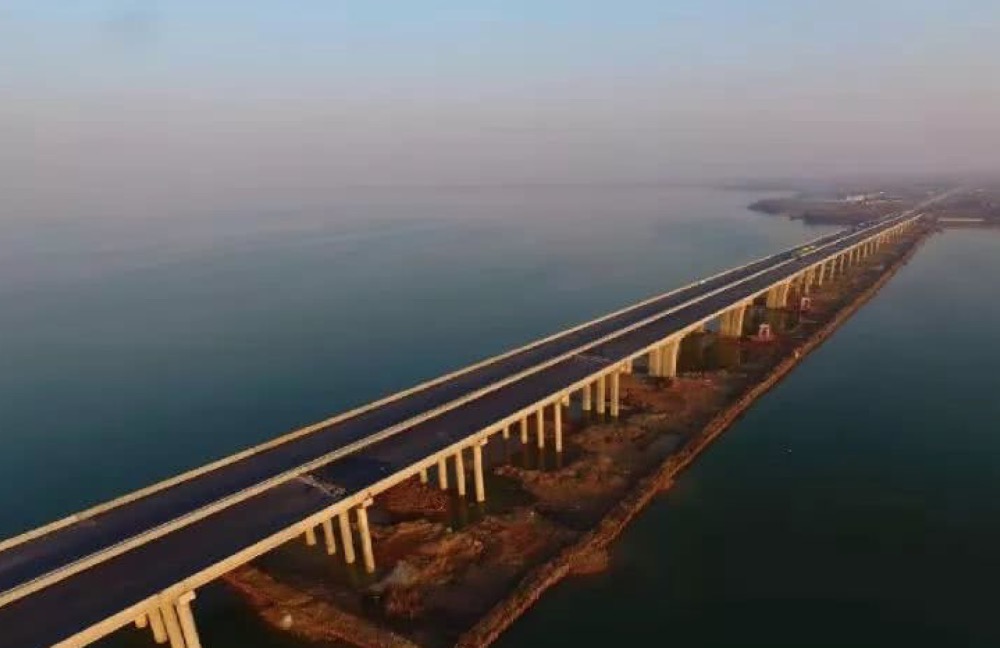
[(71, 605)]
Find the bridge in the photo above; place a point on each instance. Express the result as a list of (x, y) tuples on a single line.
[(141, 558)]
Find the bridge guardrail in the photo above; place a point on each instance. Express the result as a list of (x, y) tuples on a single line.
[(188, 518), (314, 427)]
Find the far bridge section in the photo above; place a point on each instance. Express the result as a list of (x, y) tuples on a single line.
[(141, 558)]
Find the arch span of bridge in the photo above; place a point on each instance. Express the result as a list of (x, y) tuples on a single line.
[(159, 545)]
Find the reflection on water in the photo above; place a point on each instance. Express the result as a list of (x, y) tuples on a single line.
[(856, 504), (134, 350)]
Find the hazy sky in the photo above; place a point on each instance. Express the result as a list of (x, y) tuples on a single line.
[(109, 104)]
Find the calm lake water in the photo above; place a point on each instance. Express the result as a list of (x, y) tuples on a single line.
[(855, 505)]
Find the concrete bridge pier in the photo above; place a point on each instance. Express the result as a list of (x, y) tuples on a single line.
[(523, 423), (157, 626), (460, 473), (173, 625), (777, 297), (805, 280), (442, 473), (329, 539), (477, 464), (602, 396), (654, 362), (186, 617), (366, 536), (540, 426), (586, 397), (615, 393), (731, 321), (346, 538), (668, 359), (172, 621), (557, 431), (662, 360)]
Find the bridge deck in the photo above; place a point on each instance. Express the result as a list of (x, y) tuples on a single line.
[(68, 606), (63, 546)]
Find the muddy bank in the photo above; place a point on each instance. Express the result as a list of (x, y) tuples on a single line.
[(455, 572), (544, 577)]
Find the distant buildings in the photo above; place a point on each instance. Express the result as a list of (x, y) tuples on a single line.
[(860, 198)]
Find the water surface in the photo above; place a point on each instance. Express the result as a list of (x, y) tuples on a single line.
[(857, 504)]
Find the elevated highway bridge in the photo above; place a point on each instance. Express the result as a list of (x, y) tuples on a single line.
[(142, 557)]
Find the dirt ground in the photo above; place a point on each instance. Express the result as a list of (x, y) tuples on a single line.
[(444, 562)]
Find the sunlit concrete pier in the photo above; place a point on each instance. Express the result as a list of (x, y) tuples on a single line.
[(142, 558)]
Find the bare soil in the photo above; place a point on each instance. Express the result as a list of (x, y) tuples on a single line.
[(451, 571)]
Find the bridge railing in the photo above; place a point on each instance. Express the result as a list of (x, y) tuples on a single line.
[(314, 427), (231, 499)]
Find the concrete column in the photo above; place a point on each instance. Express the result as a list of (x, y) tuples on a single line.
[(460, 473), (777, 297), (627, 366), (654, 361), (732, 322), (615, 393), (586, 397), (346, 539), (173, 626), (186, 617), (565, 399), (669, 359), (329, 539), (311, 537), (443, 473), (366, 536), (820, 274), (156, 625), (602, 396), (557, 415), (506, 432), (540, 426), (423, 475), (141, 621), (524, 430), (477, 465)]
